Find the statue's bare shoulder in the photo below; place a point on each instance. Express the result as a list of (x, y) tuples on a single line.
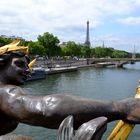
[(11, 90)]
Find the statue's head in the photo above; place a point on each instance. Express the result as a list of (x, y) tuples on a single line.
[(14, 64)]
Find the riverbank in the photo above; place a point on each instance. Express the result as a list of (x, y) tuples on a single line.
[(60, 70), (41, 73), (62, 66)]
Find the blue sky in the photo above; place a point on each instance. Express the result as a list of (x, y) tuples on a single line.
[(116, 23)]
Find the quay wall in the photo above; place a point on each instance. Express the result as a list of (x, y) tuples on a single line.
[(60, 63), (81, 62)]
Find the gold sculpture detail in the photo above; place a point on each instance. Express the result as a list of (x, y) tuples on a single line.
[(13, 47)]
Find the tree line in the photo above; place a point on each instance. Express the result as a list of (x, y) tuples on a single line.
[(49, 46)]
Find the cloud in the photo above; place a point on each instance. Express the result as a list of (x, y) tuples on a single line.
[(130, 20), (64, 18)]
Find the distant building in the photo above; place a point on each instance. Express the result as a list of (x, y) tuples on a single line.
[(63, 44), (11, 37)]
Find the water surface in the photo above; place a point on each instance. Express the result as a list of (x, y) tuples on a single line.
[(97, 83)]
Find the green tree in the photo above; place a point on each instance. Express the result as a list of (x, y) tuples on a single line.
[(86, 51), (50, 43), (36, 49), (99, 52), (120, 54), (25, 42), (63, 51), (4, 41), (137, 55), (73, 49), (109, 52), (92, 52), (103, 52)]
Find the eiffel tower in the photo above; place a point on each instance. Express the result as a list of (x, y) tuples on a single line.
[(87, 42)]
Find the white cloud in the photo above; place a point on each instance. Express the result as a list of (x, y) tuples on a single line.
[(130, 20), (64, 18)]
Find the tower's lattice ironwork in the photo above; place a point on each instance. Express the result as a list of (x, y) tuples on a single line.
[(87, 41)]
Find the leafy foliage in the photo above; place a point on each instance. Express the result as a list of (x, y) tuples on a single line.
[(86, 52), (103, 52), (50, 44), (4, 41), (73, 49), (120, 54)]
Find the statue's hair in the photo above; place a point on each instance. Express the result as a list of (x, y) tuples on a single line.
[(7, 57)]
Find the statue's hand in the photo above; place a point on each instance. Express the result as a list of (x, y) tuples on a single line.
[(132, 109)]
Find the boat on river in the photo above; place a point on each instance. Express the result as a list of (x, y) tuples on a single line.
[(60, 70), (41, 73), (37, 73)]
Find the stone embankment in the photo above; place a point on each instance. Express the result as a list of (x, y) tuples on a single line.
[(43, 68)]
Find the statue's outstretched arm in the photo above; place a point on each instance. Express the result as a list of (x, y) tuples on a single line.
[(49, 111)]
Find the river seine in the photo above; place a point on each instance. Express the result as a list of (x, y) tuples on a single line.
[(97, 83)]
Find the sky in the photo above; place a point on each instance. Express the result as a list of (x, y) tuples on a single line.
[(114, 22)]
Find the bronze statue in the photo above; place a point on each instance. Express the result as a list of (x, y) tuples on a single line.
[(49, 111)]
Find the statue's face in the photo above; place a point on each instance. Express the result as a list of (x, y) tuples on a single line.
[(18, 71)]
